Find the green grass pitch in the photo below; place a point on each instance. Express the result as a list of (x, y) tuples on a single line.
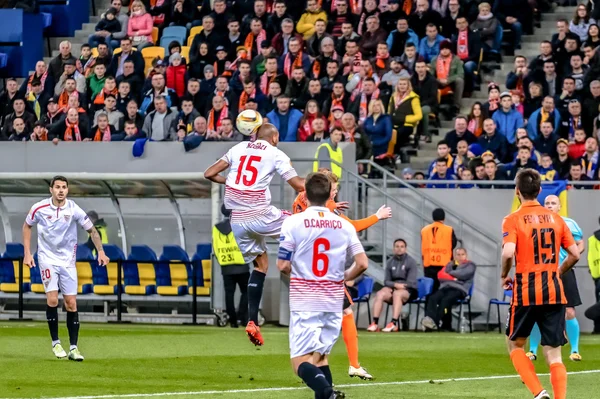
[(149, 359)]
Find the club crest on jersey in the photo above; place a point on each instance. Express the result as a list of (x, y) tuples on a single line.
[(67, 218), (321, 214)]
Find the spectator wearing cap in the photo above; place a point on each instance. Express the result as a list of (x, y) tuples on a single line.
[(507, 118), (108, 25), (460, 132), (175, 75), (159, 88), (276, 17), (306, 24), (53, 112), (378, 128), (313, 43), (400, 37), (285, 119), (390, 17), (547, 113), (56, 66), (467, 47), (370, 39), (69, 128), (340, 13), (429, 46), (426, 87), (128, 53), (110, 110), (546, 142), (493, 141), (448, 70), (422, 17), (70, 72), (281, 40), (395, 73), (257, 67), (37, 100), (335, 116)]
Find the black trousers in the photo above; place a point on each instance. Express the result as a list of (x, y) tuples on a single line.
[(440, 303), (593, 312), (230, 281), (432, 272)]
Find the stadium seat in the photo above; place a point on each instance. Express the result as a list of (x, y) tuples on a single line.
[(140, 274), (10, 275), (105, 278), (185, 53), (37, 285), (202, 258), (150, 53), (172, 278), (85, 262), (193, 32), (465, 301), (498, 303), (166, 40), (179, 32), (365, 289), (424, 289)]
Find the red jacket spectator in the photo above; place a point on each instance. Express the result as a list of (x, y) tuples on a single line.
[(176, 75)]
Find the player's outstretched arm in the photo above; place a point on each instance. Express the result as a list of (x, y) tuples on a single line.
[(214, 170), (361, 263), (573, 255), (27, 257), (297, 183), (95, 236)]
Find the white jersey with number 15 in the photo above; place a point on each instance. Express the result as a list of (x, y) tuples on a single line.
[(317, 242), (252, 167)]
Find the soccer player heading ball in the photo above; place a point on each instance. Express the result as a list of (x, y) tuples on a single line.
[(56, 218)]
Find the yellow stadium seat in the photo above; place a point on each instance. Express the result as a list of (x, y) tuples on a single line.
[(207, 275), (147, 280), (185, 53), (111, 271), (14, 287), (84, 278), (155, 35), (179, 281), (95, 52), (150, 53), (117, 51), (193, 32)]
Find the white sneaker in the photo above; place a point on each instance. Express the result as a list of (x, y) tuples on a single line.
[(428, 323), (360, 372), (542, 395), (75, 355), (59, 352)]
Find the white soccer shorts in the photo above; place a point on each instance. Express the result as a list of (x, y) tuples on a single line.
[(251, 235), (64, 277), (313, 332)]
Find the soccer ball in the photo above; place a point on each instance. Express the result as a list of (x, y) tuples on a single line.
[(248, 122)]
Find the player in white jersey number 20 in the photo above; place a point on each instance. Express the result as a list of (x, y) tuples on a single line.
[(313, 249), (252, 166), (57, 218)]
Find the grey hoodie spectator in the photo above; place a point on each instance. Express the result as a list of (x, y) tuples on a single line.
[(160, 124)]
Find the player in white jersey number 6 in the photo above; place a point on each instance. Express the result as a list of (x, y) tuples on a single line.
[(57, 218), (252, 166), (312, 250)]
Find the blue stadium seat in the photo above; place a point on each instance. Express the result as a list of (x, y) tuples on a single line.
[(365, 289), (178, 33), (166, 40), (424, 289), (10, 274), (37, 285), (465, 301), (140, 275), (505, 301), (172, 278), (203, 264), (105, 277)]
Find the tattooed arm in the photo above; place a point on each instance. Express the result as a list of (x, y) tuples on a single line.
[(95, 236)]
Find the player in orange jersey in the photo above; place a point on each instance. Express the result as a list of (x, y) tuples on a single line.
[(349, 331), (534, 235)]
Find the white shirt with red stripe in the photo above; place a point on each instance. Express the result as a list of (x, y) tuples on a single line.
[(318, 241), (252, 166), (57, 231)]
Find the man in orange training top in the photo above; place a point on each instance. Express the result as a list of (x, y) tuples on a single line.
[(349, 331), (534, 235)]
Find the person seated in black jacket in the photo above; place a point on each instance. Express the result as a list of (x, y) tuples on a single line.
[(493, 141), (523, 161), (130, 133), (459, 133), (467, 46), (426, 87), (69, 128)]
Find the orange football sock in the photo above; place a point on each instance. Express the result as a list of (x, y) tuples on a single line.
[(558, 378), (526, 370), (350, 339)]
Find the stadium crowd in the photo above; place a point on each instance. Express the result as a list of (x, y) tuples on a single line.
[(377, 71)]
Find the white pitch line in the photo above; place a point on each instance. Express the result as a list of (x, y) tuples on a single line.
[(254, 390)]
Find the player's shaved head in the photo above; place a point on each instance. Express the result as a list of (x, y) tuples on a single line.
[(318, 187), (268, 132), (552, 203), (529, 184)]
